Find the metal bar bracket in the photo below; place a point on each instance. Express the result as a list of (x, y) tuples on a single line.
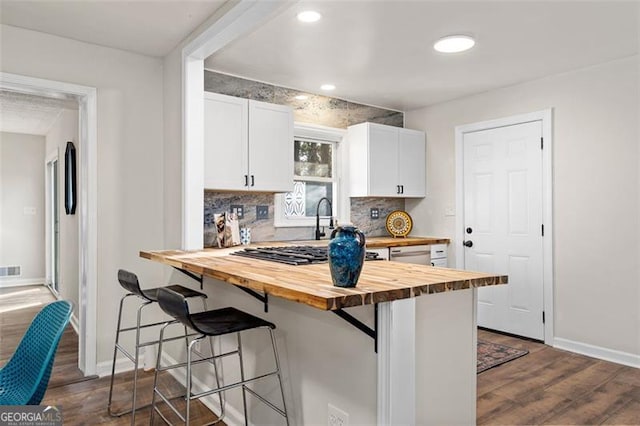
[(193, 276), (373, 333), (264, 298)]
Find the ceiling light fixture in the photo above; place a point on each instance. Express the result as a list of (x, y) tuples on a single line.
[(302, 97), (309, 16), (454, 44), (328, 87)]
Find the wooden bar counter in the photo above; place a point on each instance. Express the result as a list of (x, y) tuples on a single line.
[(424, 368), (380, 281)]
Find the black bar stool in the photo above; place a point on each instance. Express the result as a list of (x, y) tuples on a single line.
[(209, 324), (129, 281)]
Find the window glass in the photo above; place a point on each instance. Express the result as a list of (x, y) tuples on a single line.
[(303, 200), (313, 159), (315, 176)]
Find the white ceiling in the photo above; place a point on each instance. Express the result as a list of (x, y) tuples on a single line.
[(148, 27), (34, 115), (376, 52), (380, 52)]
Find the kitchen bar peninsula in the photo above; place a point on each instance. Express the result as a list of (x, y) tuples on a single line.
[(405, 325)]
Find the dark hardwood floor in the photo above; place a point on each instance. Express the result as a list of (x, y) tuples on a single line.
[(550, 386), (83, 399), (547, 386)]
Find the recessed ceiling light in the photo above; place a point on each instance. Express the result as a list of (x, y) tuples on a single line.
[(328, 86), (309, 16), (454, 44), (302, 97)]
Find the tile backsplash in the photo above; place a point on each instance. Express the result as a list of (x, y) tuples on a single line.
[(361, 214), (263, 230), (316, 109)]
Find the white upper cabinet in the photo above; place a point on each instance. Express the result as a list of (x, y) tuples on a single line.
[(386, 161), (248, 145)]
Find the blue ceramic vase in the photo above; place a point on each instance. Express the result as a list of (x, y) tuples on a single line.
[(346, 255)]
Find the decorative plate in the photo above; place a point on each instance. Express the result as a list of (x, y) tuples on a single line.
[(399, 223)]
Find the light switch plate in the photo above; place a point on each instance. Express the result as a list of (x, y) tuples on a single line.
[(238, 209), (375, 213), (262, 212)]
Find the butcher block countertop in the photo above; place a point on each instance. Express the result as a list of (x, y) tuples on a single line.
[(382, 242), (380, 281)]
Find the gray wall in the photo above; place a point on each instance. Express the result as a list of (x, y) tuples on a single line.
[(22, 215), (64, 130), (595, 191), (130, 156)]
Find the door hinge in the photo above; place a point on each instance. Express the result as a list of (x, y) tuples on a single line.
[(541, 143), (543, 317), (542, 229)]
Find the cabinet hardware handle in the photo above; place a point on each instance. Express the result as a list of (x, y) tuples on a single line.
[(402, 189), (397, 189), (253, 181), (246, 180), (468, 244)]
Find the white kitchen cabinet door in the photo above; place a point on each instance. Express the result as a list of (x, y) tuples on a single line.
[(395, 163), (383, 161), (226, 142), (270, 147), (412, 163)]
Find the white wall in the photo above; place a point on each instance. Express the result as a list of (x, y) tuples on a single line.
[(596, 191), (130, 160), (64, 130), (22, 215)]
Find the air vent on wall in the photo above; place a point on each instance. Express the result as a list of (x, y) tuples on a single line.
[(9, 271)]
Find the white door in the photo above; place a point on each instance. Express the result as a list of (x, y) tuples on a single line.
[(503, 221), (412, 163), (225, 142), (270, 147)]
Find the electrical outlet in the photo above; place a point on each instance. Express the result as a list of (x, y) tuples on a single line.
[(262, 212), (375, 213), (337, 417), (238, 209)]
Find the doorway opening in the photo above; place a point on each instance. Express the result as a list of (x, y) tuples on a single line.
[(86, 97), (504, 220)]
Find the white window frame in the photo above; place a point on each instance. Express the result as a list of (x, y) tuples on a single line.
[(314, 133)]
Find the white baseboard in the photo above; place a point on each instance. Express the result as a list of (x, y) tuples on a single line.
[(20, 282), (74, 318), (75, 324), (232, 417), (103, 369), (619, 357)]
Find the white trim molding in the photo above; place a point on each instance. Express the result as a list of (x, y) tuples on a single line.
[(20, 282), (88, 233), (545, 117), (606, 354), (397, 362), (242, 17)]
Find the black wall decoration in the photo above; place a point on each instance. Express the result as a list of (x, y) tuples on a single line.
[(70, 179)]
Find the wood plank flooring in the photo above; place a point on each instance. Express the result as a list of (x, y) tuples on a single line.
[(547, 386), (83, 399), (550, 386)]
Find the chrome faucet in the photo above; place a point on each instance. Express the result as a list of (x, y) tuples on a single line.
[(318, 233)]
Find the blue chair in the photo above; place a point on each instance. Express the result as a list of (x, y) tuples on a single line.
[(24, 379)]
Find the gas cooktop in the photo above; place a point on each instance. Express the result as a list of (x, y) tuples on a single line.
[(293, 255)]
